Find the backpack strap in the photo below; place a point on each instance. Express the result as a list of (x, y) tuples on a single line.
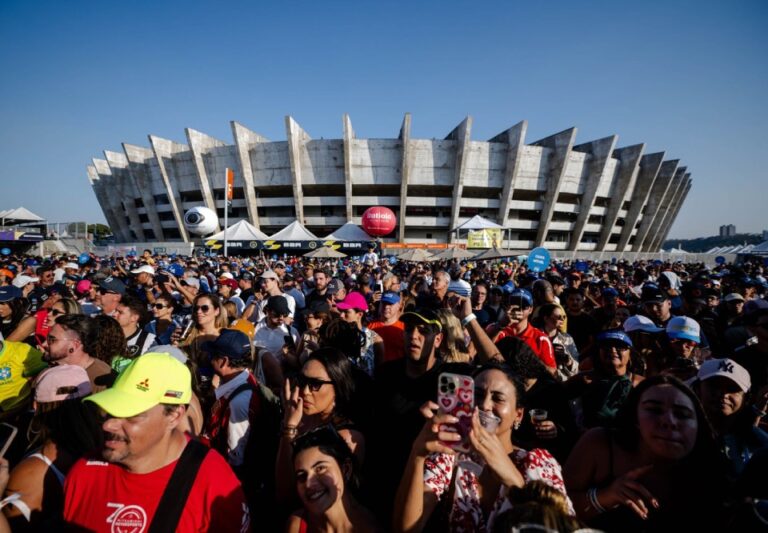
[(177, 491)]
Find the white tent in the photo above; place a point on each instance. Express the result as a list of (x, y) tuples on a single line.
[(20, 214), (241, 231), (349, 232), (477, 222), (293, 232)]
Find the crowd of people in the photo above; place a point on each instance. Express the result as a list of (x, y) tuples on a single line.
[(166, 393)]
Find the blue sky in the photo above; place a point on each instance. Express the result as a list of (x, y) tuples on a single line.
[(689, 78)]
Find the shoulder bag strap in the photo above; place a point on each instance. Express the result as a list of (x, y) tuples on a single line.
[(179, 486)]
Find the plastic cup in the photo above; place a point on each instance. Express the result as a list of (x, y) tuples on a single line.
[(489, 421), (538, 415)]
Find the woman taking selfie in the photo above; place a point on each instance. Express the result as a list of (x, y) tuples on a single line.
[(473, 486), (325, 473)]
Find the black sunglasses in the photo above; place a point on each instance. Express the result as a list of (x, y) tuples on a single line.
[(204, 308), (160, 306), (314, 384), (105, 291)]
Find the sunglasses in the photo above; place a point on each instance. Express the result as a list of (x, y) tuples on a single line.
[(314, 384), (558, 317), (160, 306), (55, 312), (105, 291), (204, 308)]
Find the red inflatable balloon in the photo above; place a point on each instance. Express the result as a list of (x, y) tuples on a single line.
[(379, 221)]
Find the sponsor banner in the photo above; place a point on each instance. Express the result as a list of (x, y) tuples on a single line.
[(244, 247), (23, 236), (484, 238)]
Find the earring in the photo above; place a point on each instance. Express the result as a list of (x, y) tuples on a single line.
[(517, 425), (71, 350)]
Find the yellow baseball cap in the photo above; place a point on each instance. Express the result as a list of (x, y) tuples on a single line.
[(150, 379)]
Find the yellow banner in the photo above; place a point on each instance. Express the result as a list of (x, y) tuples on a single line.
[(484, 238)]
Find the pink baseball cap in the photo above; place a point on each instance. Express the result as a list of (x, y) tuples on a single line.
[(63, 382), (83, 286), (354, 300)]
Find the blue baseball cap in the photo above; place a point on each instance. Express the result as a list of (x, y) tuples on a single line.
[(9, 292), (523, 295), (390, 297), (616, 335), (231, 343), (610, 292)]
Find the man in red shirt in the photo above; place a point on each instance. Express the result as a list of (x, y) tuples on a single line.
[(389, 326), (137, 484), (519, 307)]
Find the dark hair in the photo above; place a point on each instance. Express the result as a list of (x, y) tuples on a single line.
[(72, 424), (84, 327), (330, 443), (339, 369), (571, 290), (538, 503), (513, 378), (626, 430), (546, 310), (520, 359), (343, 336), (136, 306), (110, 339)]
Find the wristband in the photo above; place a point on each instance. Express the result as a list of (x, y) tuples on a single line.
[(758, 412), (592, 497), (467, 319)]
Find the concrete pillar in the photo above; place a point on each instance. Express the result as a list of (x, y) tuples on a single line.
[(138, 167), (245, 139), (110, 215), (349, 134), (200, 143), (650, 165), (297, 137), (655, 197), (677, 208), (164, 150), (128, 190), (405, 172), (460, 134), (561, 144), (112, 196), (669, 211), (514, 137), (600, 151), (623, 181), (661, 212)]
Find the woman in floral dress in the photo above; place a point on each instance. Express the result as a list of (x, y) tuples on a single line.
[(471, 489)]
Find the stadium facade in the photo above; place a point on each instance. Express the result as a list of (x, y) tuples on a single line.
[(551, 192)]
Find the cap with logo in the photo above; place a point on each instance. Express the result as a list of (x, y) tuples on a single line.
[(522, 297), (149, 380), (390, 297), (112, 284), (62, 382), (9, 292), (684, 328), (641, 323), (335, 285), (422, 315), (614, 335), (652, 293), (727, 368)]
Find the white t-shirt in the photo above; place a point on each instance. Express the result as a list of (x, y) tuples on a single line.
[(272, 339)]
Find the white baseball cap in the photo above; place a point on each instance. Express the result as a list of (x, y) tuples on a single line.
[(641, 323), (23, 280), (727, 368), (144, 269)]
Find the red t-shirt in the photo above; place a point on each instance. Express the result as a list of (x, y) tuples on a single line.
[(101, 496), (393, 337), (536, 339)]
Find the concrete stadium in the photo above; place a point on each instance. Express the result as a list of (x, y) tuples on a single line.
[(551, 192)]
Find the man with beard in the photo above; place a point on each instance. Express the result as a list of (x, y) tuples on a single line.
[(153, 477), (402, 388), (70, 341)]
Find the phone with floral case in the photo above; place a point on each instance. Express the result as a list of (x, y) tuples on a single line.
[(456, 396)]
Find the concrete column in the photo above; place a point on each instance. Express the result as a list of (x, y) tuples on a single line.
[(112, 196), (623, 181), (661, 212), (669, 211), (201, 143), (110, 215), (164, 150), (514, 137), (297, 137), (245, 139), (650, 165), (128, 190), (405, 172), (561, 144), (349, 134), (600, 151), (676, 209), (461, 134), (656, 196), (138, 167)]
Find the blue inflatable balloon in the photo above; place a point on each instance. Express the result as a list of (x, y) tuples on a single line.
[(5, 251)]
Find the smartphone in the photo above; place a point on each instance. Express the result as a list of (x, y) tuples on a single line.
[(7, 434), (288, 340), (456, 396), (187, 329), (380, 286)]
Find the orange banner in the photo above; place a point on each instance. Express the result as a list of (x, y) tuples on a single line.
[(230, 184)]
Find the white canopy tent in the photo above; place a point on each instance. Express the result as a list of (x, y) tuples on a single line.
[(240, 231), (477, 222), (20, 214), (294, 231), (349, 232)]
